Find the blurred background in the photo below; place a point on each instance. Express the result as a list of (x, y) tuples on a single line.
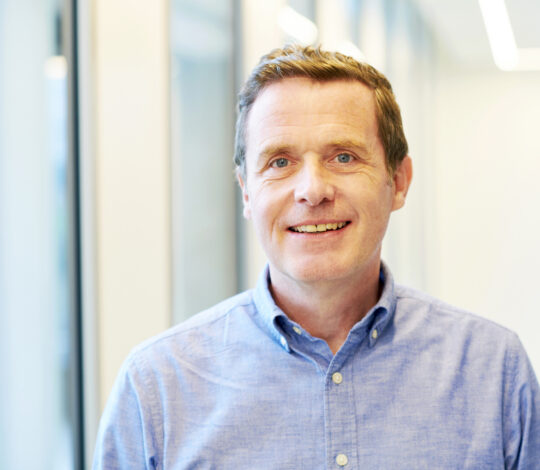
[(119, 213)]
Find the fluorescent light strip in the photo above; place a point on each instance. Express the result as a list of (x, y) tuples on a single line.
[(500, 34), (297, 25), (351, 49), (506, 54)]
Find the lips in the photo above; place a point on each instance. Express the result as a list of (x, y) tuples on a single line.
[(318, 228)]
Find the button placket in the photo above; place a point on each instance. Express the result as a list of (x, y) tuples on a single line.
[(341, 422)]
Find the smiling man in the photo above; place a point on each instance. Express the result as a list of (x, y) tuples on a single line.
[(326, 363), (319, 192)]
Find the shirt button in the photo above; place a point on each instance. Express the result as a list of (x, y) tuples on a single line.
[(297, 330), (375, 334), (337, 379), (342, 460)]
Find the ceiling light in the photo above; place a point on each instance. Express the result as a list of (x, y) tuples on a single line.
[(506, 54), (297, 26), (500, 34), (350, 49)]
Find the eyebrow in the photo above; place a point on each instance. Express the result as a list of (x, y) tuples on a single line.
[(346, 143)]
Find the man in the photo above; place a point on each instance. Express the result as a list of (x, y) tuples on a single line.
[(326, 363)]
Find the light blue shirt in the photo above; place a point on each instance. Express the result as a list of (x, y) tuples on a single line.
[(418, 384)]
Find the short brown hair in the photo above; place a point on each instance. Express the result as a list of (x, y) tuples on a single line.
[(323, 66)]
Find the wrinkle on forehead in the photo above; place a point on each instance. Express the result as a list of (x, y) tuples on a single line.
[(308, 115), (301, 95)]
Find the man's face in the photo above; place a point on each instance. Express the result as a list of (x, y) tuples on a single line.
[(316, 186)]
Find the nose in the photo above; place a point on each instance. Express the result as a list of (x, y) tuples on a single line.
[(314, 183)]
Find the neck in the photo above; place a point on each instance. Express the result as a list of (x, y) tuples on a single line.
[(327, 309)]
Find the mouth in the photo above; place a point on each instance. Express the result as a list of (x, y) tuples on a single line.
[(319, 228)]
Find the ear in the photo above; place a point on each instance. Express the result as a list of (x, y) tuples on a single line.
[(245, 196), (401, 181)]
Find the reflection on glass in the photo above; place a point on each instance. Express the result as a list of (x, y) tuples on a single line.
[(36, 373)]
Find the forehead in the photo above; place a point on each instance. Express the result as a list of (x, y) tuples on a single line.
[(303, 106)]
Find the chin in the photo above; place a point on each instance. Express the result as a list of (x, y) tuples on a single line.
[(312, 272)]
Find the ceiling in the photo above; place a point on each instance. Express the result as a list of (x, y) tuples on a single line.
[(459, 27)]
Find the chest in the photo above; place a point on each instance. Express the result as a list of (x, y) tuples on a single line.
[(294, 416)]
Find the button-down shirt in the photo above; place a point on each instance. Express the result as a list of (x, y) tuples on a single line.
[(418, 384)]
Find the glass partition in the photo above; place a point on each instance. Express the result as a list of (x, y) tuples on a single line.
[(202, 117), (38, 346)]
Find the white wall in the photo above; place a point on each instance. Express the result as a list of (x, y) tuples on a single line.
[(487, 160), (131, 188)]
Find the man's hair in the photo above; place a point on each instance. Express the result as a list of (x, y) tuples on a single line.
[(322, 66)]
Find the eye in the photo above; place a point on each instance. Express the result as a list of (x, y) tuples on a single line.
[(279, 163), (344, 158)]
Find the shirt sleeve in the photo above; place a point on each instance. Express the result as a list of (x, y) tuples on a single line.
[(521, 411), (125, 438)]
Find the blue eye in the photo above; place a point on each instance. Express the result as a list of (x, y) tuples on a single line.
[(280, 163), (344, 158)]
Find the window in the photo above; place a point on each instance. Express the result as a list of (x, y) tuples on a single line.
[(39, 396)]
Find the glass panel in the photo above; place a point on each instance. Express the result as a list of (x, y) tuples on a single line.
[(202, 146), (36, 352)]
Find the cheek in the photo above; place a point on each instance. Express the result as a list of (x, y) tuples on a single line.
[(374, 204), (260, 208), (266, 210)]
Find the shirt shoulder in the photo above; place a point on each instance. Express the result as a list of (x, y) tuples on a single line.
[(433, 311), (206, 333), (478, 343)]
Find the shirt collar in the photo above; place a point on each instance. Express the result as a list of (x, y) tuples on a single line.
[(376, 320), (267, 309)]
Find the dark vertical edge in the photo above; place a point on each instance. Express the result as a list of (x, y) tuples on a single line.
[(237, 67), (70, 48)]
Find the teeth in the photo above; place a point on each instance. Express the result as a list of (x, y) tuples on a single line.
[(319, 227)]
